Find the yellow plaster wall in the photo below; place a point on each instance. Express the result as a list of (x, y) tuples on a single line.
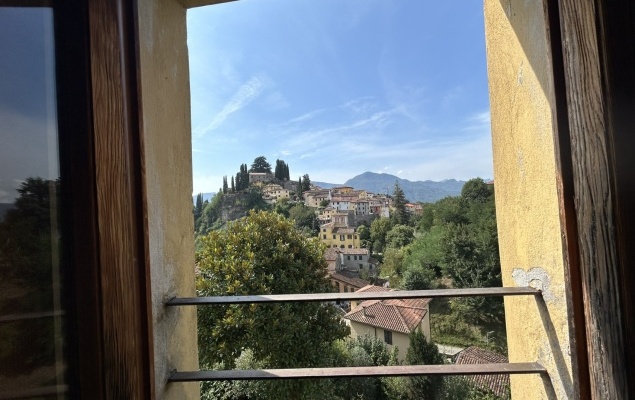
[(401, 340), (166, 128), (526, 183)]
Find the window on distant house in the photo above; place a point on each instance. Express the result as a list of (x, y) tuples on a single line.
[(348, 257), (334, 236), (388, 337), (350, 246), (349, 236), (324, 236)]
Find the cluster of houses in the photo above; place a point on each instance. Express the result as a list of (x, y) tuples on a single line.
[(340, 211)]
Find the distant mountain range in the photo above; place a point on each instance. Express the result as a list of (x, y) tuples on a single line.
[(206, 196), (425, 191)]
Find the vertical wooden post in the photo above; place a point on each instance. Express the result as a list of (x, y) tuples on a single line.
[(589, 103), (121, 222)]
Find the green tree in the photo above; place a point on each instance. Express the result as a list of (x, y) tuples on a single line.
[(282, 207), (427, 218), (198, 209), (423, 352), (364, 237), (304, 217), (233, 187), (253, 256), (476, 190), (399, 216), (379, 228), (225, 188), (392, 267), (242, 178), (260, 164), (211, 215), (306, 183), (281, 171), (400, 236)]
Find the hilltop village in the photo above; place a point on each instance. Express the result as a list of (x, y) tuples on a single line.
[(369, 242)]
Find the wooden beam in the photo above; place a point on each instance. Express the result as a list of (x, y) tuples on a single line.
[(594, 199), (121, 220)]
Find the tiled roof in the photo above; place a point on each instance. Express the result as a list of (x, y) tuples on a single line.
[(394, 315), (349, 278), (373, 288), (497, 384)]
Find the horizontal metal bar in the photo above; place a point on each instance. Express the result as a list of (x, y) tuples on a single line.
[(33, 392), (396, 294), (26, 316), (358, 372)]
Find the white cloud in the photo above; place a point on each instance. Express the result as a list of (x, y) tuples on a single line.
[(247, 92)]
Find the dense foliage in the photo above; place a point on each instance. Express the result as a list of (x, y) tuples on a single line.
[(454, 244), (260, 164), (264, 253)]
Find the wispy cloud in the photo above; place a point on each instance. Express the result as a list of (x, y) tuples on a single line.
[(478, 121), (245, 94)]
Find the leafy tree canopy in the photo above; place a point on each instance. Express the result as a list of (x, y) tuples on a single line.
[(260, 164), (264, 254), (400, 236), (400, 216)]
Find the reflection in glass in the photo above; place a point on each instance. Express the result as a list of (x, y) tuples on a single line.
[(31, 351)]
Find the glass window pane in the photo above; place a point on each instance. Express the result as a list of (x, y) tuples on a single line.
[(31, 345)]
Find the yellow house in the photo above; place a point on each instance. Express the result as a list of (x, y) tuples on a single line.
[(389, 320), (336, 236), (273, 193), (346, 282)]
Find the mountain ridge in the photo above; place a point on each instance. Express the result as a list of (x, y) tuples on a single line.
[(424, 191)]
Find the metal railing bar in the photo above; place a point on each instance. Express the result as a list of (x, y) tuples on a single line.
[(27, 316), (358, 372), (33, 392), (325, 297)]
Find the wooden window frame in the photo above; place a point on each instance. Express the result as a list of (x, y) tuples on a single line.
[(101, 153), (102, 168)]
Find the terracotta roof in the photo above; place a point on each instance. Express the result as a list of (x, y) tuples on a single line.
[(497, 384), (349, 278), (373, 288), (394, 315)]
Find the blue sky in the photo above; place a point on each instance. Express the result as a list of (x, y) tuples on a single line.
[(339, 87)]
